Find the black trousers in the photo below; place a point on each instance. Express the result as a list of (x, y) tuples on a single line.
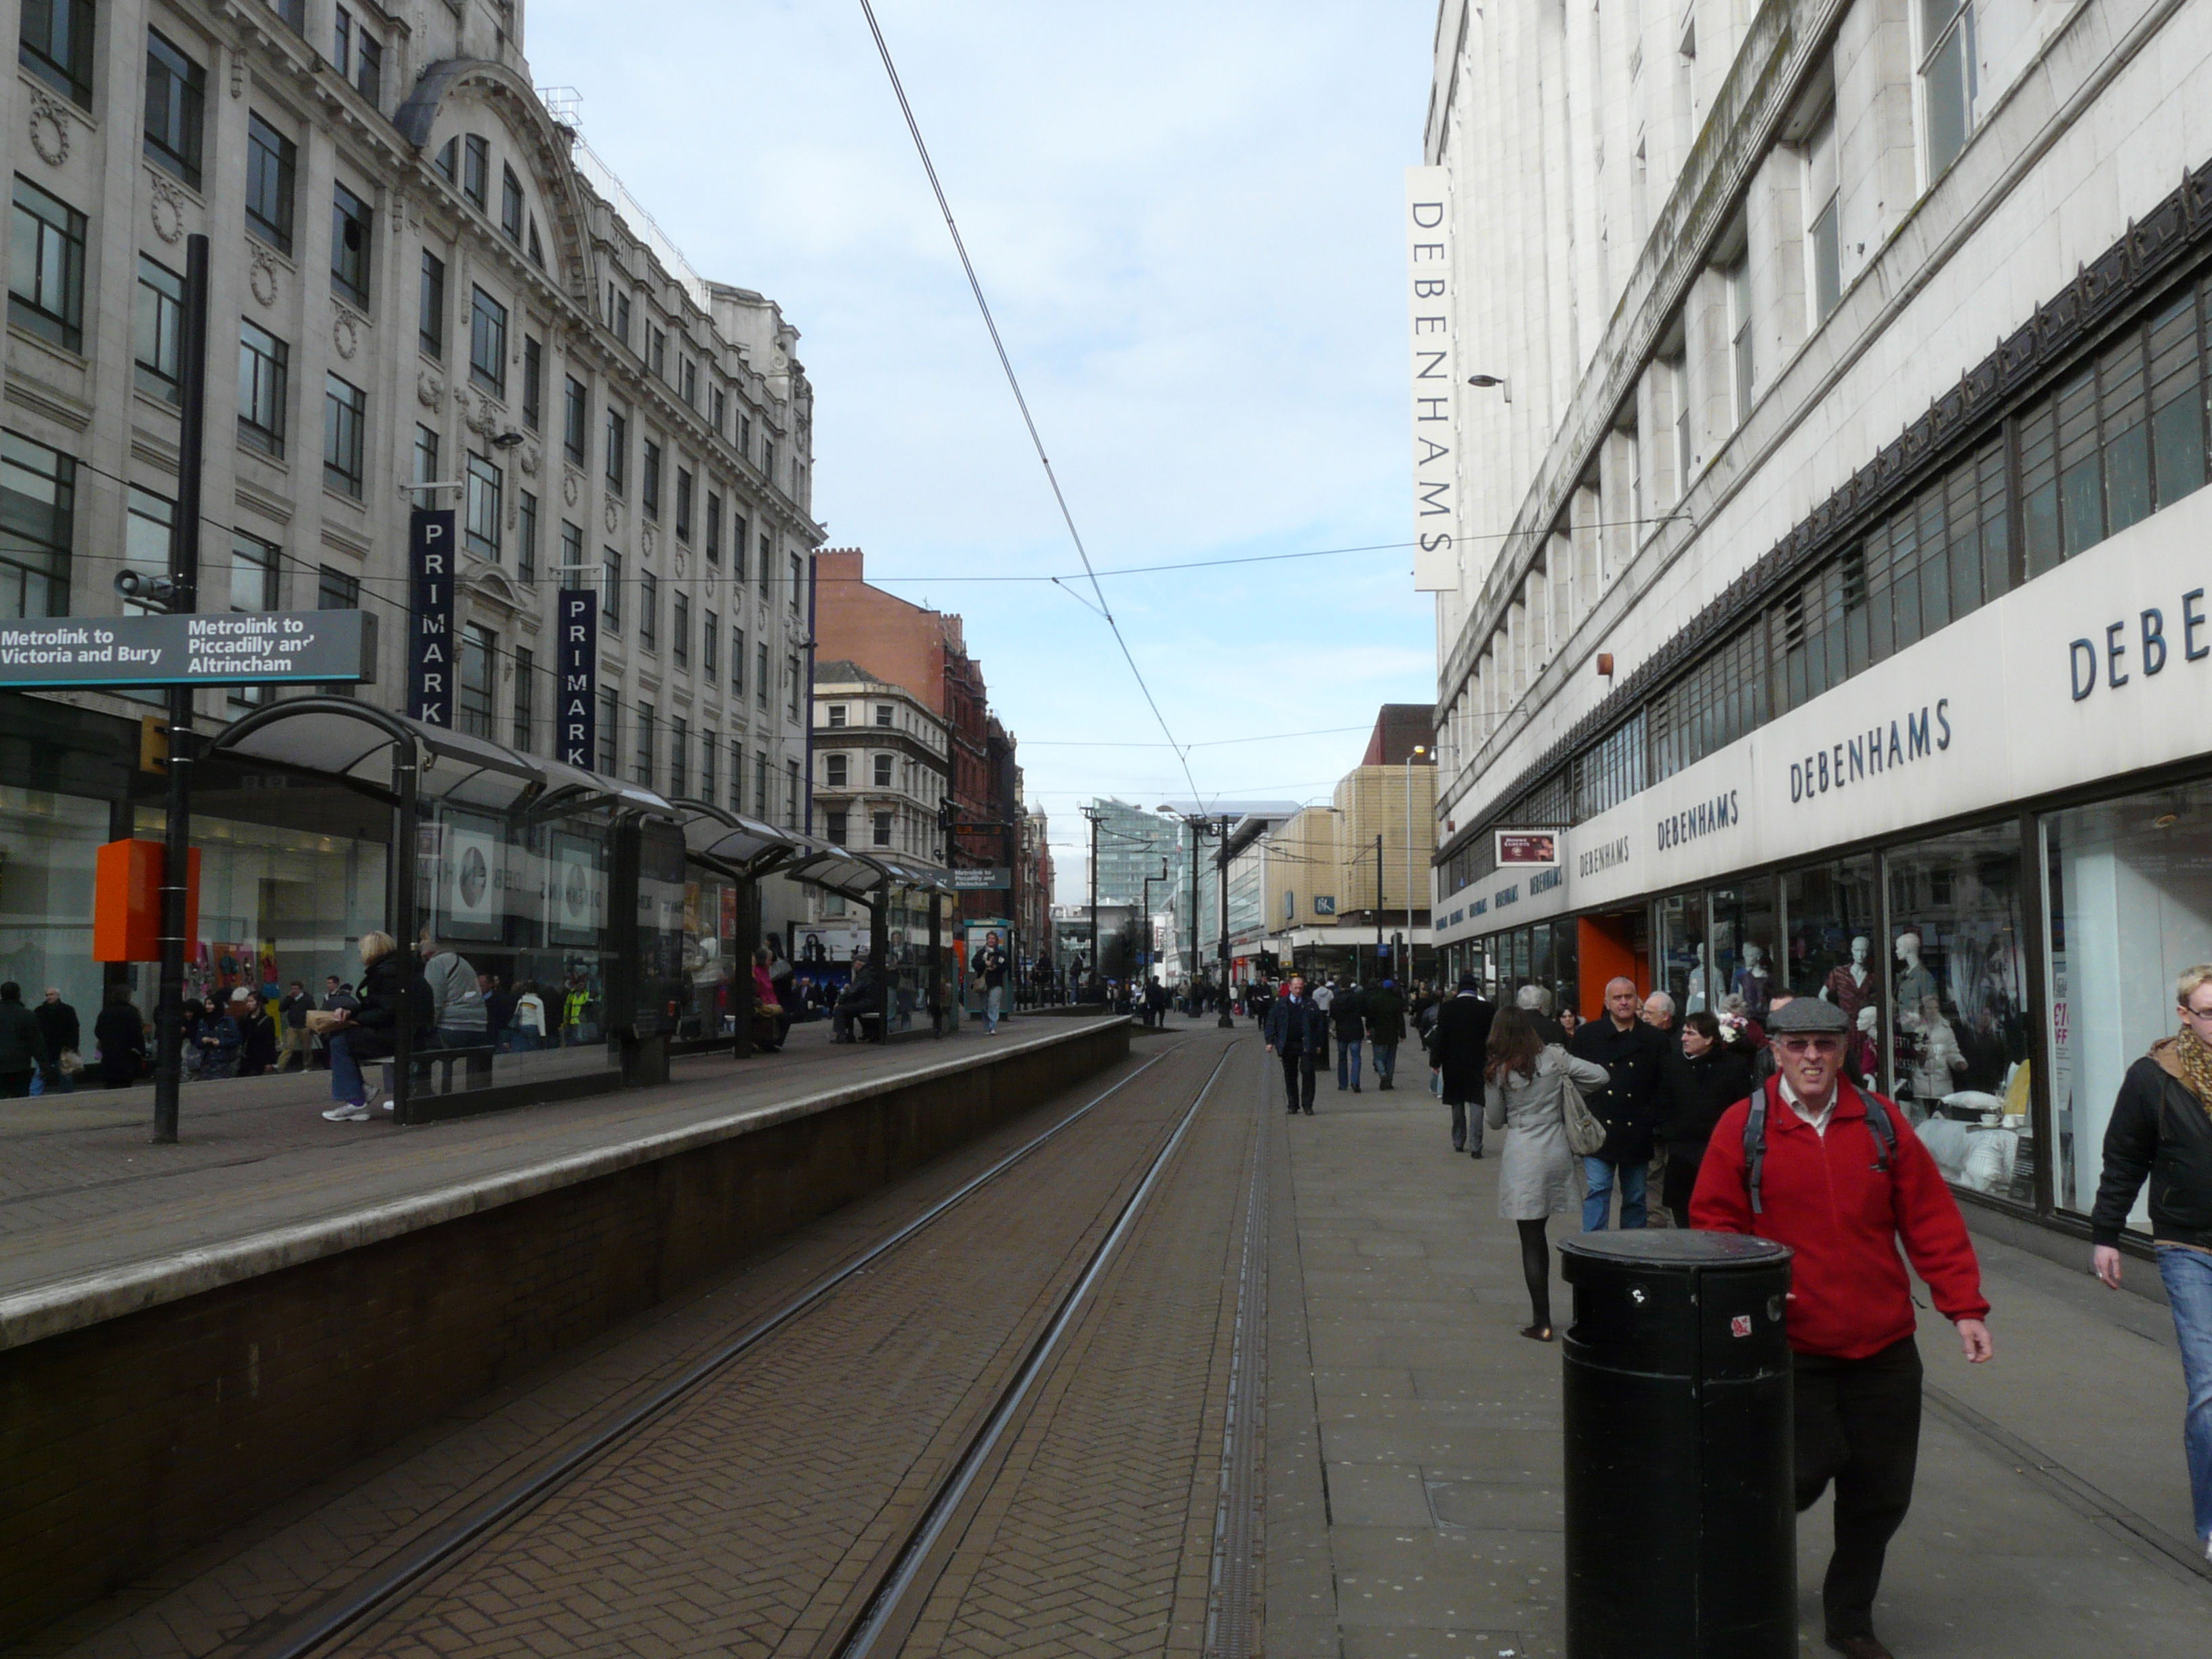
[(1297, 1078), (1858, 1425), (1680, 1180)]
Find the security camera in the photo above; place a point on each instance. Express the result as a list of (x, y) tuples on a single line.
[(146, 588)]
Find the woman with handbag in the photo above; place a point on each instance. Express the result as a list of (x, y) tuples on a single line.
[(369, 1030), (1531, 1089)]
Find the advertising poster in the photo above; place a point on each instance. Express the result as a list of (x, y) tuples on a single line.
[(468, 880), (577, 905)]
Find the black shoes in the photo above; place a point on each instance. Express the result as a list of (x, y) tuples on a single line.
[(1476, 1153), (1355, 1088)]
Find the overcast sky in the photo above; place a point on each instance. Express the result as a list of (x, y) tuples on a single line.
[(1185, 216)]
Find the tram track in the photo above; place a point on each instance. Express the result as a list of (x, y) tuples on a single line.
[(343, 1619)]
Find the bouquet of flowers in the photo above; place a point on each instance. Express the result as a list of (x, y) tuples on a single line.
[(1734, 1028)]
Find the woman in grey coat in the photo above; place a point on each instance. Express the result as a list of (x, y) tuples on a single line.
[(1525, 1082)]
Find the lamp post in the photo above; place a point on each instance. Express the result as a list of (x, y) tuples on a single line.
[(1162, 876), (1221, 920)]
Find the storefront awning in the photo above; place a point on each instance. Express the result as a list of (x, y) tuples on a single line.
[(362, 745)]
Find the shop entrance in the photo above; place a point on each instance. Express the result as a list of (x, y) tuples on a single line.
[(1611, 946)]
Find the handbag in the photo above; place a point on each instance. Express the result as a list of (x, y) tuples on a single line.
[(1585, 1132), (70, 1063)]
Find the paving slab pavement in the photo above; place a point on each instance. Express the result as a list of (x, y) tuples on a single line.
[(1414, 1446)]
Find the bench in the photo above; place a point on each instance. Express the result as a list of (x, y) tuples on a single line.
[(477, 1057)]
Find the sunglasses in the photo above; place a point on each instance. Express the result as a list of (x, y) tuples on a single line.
[(1812, 1045)]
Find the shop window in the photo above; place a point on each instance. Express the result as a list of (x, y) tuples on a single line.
[(1957, 1006), (272, 164), (472, 702), (1744, 965), (176, 94), (262, 374), (56, 46), (46, 275), (157, 328), (37, 507)]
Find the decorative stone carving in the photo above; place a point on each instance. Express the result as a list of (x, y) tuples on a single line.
[(649, 539), (50, 129), (679, 562), (167, 208), (531, 459), (572, 486), (263, 278), (429, 390), (238, 75), (345, 333), (613, 518), (480, 415)]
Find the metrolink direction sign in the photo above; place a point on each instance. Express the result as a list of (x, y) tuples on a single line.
[(313, 647), (999, 880)]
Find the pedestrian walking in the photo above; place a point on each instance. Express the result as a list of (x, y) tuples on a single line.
[(459, 1019), (990, 967), (58, 1024), (1659, 1011), (1347, 1019), (1839, 1176), (23, 1049), (369, 1030), (120, 1033), (1525, 1081), (2161, 1128), (1156, 1004), (1298, 1033), (257, 1034), (1386, 1030), (499, 1010), (1631, 1054), (292, 1016), (1459, 1050), (526, 1029), (1705, 1076), (1536, 1002)]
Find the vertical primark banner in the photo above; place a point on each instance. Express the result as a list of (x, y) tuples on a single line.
[(576, 672), (1430, 278), (430, 616)]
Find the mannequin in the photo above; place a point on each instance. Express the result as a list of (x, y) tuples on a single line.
[(1700, 982), (1850, 986), (1751, 983), (1915, 984)]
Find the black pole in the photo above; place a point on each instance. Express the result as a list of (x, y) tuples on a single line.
[(184, 577), (1378, 907), (406, 838), (1227, 1022), (1193, 980), (1094, 888)]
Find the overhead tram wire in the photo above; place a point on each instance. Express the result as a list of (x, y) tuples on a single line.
[(1014, 383)]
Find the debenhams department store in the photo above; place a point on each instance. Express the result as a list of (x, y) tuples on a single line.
[(1947, 764)]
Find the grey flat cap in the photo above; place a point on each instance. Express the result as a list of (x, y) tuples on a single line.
[(1805, 1014)]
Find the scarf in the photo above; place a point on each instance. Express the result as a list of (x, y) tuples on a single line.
[(2194, 1056)]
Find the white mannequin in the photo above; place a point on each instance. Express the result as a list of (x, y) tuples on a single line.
[(1915, 984), (1699, 983)]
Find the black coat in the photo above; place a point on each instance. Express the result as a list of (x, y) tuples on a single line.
[(57, 1024), (1697, 1091), (22, 1045), (1297, 1027), (1460, 1045), (121, 1035), (1628, 1105), (373, 1031), (1348, 1016), (2158, 1129)]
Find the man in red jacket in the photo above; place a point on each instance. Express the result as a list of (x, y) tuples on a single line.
[(1840, 1177)]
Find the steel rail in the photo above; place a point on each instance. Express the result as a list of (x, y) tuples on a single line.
[(890, 1610), (371, 1594)]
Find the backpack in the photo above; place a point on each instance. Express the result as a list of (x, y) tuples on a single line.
[(1755, 1140)]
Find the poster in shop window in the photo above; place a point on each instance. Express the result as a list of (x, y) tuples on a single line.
[(469, 879), (576, 905)]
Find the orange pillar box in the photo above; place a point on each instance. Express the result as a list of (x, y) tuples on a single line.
[(126, 908)]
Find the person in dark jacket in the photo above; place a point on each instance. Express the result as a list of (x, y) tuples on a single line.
[(1386, 1030), (257, 1034), (1633, 1053), (22, 1045), (863, 995), (58, 1024), (121, 1031), (1297, 1034), (2161, 1128), (1704, 1078), (292, 1025), (219, 1040), (1459, 1049), (371, 1027), (1347, 1019)]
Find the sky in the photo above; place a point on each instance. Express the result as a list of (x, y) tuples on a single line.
[(1185, 217)]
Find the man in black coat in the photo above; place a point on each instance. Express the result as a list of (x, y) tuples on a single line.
[(1298, 1033), (1635, 1055), (58, 1024), (22, 1045), (1458, 1049), (1348, 1018)]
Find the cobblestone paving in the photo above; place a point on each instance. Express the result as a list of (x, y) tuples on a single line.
[(739, 1522)]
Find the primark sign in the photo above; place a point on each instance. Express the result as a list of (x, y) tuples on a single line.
[(311, 647)]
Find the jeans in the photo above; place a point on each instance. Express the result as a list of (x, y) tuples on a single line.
[(995, 997), (451, 1036), (1598, 1178), (1858, 1425), (1386, 1062), (1347, 1054), (2188, 1276), (346, 1086), (1466, 1125)]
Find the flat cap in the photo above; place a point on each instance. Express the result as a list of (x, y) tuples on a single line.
[(1804, 1014)]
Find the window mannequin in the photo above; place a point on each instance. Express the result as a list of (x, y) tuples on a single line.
[(1753, 981), (1700, 982), (1850, 986), (1915, 984)]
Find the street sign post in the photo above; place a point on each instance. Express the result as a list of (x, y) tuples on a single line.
[(307, 646)]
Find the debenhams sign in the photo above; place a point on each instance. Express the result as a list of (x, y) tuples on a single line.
[(314, 647)]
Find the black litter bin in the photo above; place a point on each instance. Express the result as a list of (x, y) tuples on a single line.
[(1681, 1523)]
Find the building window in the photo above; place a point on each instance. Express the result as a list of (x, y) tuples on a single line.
[(649, 611), (834, 772), (610, 711), (572, 555), (525, 692), (617, 449), (525, 536), (368, 69), (738, 531), (1824, 248), (157, 328), (836, 716), (710, 745), (649, 479), (1740, 339), (791, 797), (510, 205), (426, 455), (691, 383), (798, 583), (176, 94), (271, 163), (836, 825), (883, 714), (883, 771), (46, 276), (295, 14), (345, 421), (149, 535), (737, 775), (536, 247), (57, 47), (745, 435), (486, 486), (350, 224), (611, 589), (476, 169), (710, 634), (738, 660), (768, 456), (679, 757), (472, 701), (533, 382), (449, 160), (576, 421), (1946, 80), (642, 768), (264, 369), (430, 328), (683, 505), (883, 829), (656, 352), (618, 314), (337, 590), (714, 528), (253, 588), (342, 42), (38, 507), (679, 628), (760, 673), (488, 343), (760, 783)]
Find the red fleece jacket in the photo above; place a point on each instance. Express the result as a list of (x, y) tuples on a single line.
[(1825, 1197)]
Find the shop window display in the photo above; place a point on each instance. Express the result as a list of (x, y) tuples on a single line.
[(1957, 1001), (1833, 923), (1685, 968), (1566, 966), (2131, 898), (47, 842), (1744, 928)]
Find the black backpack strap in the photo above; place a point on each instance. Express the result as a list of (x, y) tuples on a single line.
[(1754, 1146), (1884, 1131)]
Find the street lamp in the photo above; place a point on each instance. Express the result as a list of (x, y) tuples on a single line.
[(1485, 382), (1220, 826)]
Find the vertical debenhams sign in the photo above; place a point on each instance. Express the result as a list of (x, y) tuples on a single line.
[(430, 616), (1430, 281)]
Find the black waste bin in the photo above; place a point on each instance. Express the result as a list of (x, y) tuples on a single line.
[(1681, 1519)]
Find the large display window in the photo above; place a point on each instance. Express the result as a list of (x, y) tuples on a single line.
[(1834, 920), (1745, 926), (1685, 968), (47, 843)]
